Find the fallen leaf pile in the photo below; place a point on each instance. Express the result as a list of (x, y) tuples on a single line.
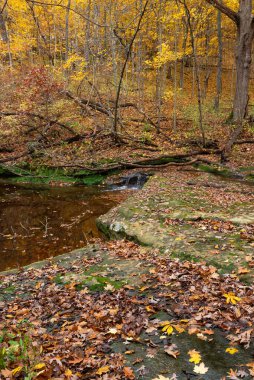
[(74, 329), (70, 328), (198, 292)]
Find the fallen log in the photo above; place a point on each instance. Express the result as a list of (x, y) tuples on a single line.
[(150, 163), (13, 158), (247, 141), (40, 117), (84, 103)]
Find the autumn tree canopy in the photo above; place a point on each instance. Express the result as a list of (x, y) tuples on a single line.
[(167, 52)]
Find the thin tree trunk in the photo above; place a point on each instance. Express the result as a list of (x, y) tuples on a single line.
[(159, 70), (140, 70), (219, 63), (67, 18), (207, 69), (181, 81), (175, 78), (5, 35), (87, 34), (196, 71), (114, 127), (3, 29)]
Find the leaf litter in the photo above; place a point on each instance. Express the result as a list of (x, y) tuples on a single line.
[(71, 327)]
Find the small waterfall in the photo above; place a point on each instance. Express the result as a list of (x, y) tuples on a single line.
[(139, 181), (132, 181)]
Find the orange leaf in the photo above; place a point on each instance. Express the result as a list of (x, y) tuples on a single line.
[(128, 372)]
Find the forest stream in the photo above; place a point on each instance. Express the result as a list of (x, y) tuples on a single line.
[(41, 221)]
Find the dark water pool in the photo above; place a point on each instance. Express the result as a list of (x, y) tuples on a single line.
[(40, 222)]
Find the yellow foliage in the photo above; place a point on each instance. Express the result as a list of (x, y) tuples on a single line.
[(195, 357), (231, 298), (166, 327)]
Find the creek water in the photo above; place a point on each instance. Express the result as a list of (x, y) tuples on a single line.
[(37, 222)]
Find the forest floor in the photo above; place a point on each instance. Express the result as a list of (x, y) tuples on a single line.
[(180, 306), (93, 146)]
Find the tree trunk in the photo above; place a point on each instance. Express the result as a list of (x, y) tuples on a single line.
[(3, 29), (219, 64), (87, 34), (67, 19), (245, 34), (244, 21), (119, 87), (5, 35), (183, 61), (196, 71)]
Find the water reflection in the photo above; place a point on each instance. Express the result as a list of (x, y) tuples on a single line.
[(38, 222)]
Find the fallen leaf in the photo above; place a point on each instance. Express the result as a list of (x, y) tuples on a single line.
[(109, 288), (6, 373), (151, 352), (201, 369), (231, 298), (167, 327), (251, 368), (238, 312), (232, 375), (128, 372), (243, 270), (68, 373), (202, 336), (195, 357), (171, 352), (208, 332), (39, 366), (179, 328), (193, 330), (130, 352), (102, 370), (16, 370), (113, 331), (231, 350), (150, 309)]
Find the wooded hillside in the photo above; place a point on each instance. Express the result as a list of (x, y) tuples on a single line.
[(151, 72)]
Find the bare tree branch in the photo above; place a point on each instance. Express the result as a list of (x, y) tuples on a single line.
[(225, 9), (128, 54), (4, 6), (40, 117), (35, 2)]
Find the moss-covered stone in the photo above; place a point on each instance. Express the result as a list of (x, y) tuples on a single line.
[(143, 219)]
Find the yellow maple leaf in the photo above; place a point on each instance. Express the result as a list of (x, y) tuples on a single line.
[(231, 298), (102, 370), (167, 328), (231, 350), (195, 357)]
